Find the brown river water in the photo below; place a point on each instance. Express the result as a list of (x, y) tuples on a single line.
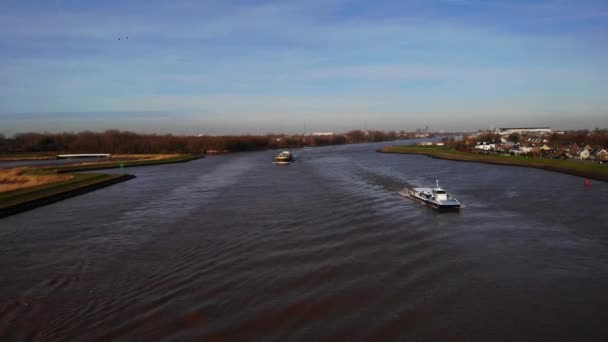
[(233, 247)]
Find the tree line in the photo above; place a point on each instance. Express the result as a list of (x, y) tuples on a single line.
[(597, 138), (125, 142), (594, 138)]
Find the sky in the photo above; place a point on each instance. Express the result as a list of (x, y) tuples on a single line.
[(218, 67)]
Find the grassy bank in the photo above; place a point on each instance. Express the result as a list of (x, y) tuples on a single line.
[(45, 191), (21, 178), (27, 156), (100, 165), (18, 201), (572, 167), (19, 196)]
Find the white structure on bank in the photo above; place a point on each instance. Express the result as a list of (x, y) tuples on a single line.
[(582, 154), (485, 147), (526, 149), (524, 130)]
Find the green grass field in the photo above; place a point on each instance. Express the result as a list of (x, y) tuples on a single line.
[(573, 167)]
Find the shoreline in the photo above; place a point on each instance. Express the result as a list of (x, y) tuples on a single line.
[(574, 168), (35, 156), (17, 201), (60, 194), (27, 156), (104, 165)]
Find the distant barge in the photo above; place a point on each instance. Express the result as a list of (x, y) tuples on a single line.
[(284, 157)]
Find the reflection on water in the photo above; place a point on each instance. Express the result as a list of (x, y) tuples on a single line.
[(233, 247)]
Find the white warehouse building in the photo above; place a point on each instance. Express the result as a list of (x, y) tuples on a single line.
[(524, 130)]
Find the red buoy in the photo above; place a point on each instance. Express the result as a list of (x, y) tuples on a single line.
[(586, 183)]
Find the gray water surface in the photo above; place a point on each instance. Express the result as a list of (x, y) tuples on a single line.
[(233, 247)]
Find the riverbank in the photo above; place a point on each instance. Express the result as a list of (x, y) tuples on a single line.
[(16, 201), (102, 165), (19, 201), (571, 167), (27, 156)]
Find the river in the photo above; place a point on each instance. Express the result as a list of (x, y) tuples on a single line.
[(233, 247)]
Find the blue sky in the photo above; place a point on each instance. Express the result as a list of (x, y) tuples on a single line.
[(253, 67)]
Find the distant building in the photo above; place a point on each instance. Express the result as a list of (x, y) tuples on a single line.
[(505, 147), (601, 156), (546, 148), (573, 149), (525, 149), (582, 154), (323, 134), (485, 147), (524, 130), (425, 129)]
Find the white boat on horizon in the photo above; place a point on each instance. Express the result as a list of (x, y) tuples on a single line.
[(284, 157)]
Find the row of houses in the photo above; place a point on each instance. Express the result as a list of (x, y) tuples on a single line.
[(588, 152), (583, 153)]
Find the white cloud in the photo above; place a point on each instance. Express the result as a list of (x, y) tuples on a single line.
[(282, 61)]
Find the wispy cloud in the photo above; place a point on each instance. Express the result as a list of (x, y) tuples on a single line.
[(323, 60)]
